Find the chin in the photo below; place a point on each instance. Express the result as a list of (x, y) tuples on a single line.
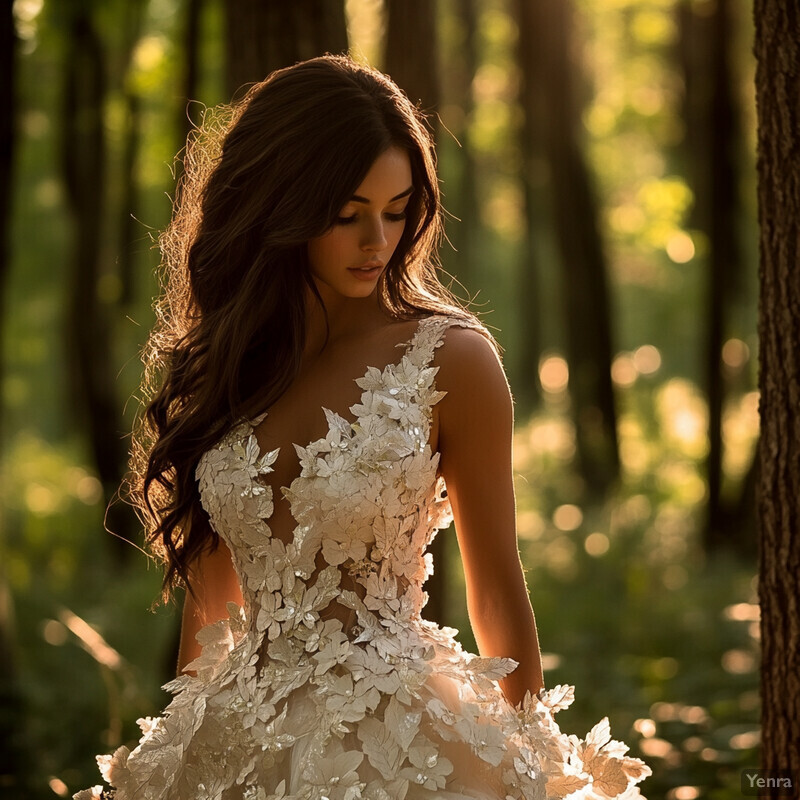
[(351, 290), (363, 293)]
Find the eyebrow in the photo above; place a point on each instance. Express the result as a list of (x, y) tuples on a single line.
[(358, 199)]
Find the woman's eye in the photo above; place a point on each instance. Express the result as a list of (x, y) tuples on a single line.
[(397, 216)]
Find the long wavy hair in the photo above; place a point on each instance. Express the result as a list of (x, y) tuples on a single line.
[(261, 178)]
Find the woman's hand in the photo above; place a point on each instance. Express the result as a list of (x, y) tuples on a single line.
[(475, 432)]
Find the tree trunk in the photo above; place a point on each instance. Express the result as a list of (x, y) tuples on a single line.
[(777, 50), (712, 145), (189, 115), (585, 290), (189, 111), (8, 120), (460, 188), (721, 215), (87, 337), (14, 764), (129, 228), (410, 58), (15, 760), (529, 56), (265, 36)]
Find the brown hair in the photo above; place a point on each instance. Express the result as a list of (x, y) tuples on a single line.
[(260, 180)]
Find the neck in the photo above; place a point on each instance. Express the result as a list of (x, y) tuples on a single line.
[(346, 316)]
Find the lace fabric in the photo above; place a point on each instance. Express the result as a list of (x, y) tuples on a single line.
[(327, 684)]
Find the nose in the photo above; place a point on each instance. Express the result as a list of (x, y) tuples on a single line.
[(373, 238)]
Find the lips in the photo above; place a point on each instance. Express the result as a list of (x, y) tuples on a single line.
[(368, 271)]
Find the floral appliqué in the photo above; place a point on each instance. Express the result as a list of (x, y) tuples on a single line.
[(292, 702)]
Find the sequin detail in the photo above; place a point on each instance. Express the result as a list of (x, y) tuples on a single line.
[(291, 702)]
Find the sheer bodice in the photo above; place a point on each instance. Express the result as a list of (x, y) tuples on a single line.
[(366, 504)]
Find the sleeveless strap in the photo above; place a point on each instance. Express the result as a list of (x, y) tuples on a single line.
[(430, 335)]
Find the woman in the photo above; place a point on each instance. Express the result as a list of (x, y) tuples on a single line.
[(300, 261)]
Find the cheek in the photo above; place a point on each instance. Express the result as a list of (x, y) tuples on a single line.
[(397, 235), (325, 251)]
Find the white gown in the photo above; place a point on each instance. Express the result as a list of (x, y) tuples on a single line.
[(328, 684)]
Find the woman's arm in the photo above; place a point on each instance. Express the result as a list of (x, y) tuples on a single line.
[(476, 421), (215, 584)]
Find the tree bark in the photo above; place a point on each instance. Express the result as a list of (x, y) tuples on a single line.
[(83, 164), (265, 36), (585, 292), (777, 50)]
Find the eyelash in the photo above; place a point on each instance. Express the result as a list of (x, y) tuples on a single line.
[(399, 217)]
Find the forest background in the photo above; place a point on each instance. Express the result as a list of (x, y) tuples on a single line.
[(597, 163)]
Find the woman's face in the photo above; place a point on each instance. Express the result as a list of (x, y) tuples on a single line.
[(350, 258)]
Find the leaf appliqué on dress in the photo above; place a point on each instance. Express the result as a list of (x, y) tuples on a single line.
[(327, 682)]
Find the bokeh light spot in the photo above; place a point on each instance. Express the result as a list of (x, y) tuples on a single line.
[(54, 633), (655, 748), (554, 374), (647, 359), (89, 490), (58, 787), (683, 793), (735, 353), (623, 370), (680, 247), (596, 544), (738, 662), (567, 517), (745, 741)]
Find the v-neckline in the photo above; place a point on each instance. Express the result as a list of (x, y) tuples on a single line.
[(409, 345)]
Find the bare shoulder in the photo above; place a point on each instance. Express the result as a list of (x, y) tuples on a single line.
[(467, 356), (477, 408), (476, 414)]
